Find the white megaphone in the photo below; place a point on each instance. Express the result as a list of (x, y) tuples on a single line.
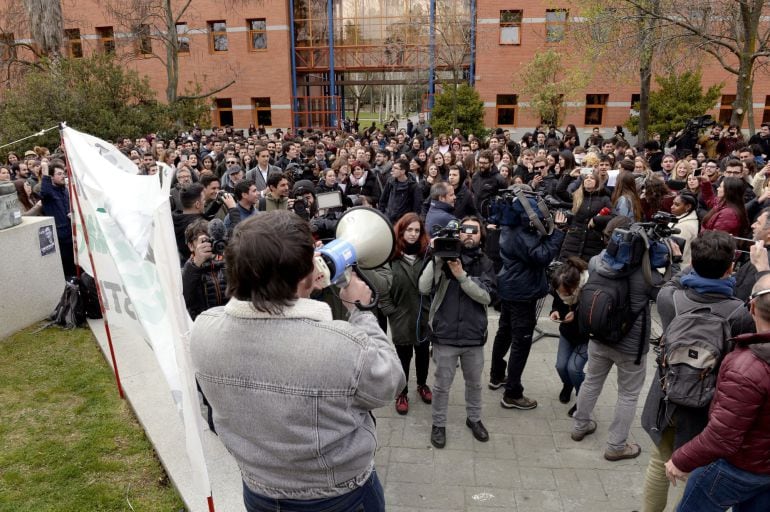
[(364, 240)]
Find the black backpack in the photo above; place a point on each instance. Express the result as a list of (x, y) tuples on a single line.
[(604, 310), (89, 296)]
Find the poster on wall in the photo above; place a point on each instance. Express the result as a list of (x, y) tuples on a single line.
[(47, 243)]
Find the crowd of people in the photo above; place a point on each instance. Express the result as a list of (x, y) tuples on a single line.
[(236, 190)]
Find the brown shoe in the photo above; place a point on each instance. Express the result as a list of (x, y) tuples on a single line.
[(578, 435), (631, 451)]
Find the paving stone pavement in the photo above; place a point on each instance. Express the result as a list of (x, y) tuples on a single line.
[(530, 462)]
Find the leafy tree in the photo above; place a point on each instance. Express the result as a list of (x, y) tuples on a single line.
[(458, 107), (96, 95), (547, 85), (677, 99)]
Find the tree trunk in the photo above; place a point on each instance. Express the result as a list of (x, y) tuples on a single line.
[(645, 78), (172, 54), (743, 100)]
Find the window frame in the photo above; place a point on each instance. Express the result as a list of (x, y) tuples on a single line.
[(213, 34), (8, 47), (556, 26), (182, 35), (600, 107), (766, 110), (144, 40), (511, 24), (726, 112), (513, 107), (73, 42), (220, 109), (106, 39), (256, 108), (252, 32)]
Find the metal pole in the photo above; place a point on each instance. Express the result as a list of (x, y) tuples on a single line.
[(472, 70), (293, 51), (332, 87), (432, 46)]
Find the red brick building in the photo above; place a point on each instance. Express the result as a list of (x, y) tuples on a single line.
[(287, 70)]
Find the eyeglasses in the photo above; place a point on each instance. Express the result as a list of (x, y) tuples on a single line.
[(231, 162), (482, 162), (754, 295)]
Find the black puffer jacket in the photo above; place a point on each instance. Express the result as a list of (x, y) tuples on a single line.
[(525, 254), (203, 287), (458, 311), (582, 241)]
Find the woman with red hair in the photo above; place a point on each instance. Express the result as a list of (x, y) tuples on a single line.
[(406, 309)]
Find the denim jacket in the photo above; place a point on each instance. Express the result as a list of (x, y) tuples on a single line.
[(292, 394)]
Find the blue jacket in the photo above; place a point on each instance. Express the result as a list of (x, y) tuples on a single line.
[(525, 256), (439, 214), (56, 204)]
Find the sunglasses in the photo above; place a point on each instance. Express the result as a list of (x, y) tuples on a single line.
[(470, 229), (233, 162), (540, 167)]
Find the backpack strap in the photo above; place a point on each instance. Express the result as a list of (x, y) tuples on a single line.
[(533, 218)]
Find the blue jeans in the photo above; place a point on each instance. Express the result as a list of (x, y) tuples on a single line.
[(570, 361), (367, 498), (720, 485)]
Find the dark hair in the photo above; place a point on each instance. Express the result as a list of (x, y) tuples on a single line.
[(569, 161), (486, 154), (207, 179), (21, 194), (689, 198), (194, 229), (482, 227), (399, 230), (712, 253), (568, 274), (190, 193), (732, 197), (267, 257), (274, 179), (242, 187), (621, 221)]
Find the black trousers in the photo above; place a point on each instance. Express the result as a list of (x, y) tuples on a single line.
[(421, 361), (517, 324)]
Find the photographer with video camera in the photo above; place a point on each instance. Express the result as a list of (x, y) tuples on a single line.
[(526, 249), (292, 391), (461, 287)]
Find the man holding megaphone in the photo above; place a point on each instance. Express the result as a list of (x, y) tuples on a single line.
[(291, 389)]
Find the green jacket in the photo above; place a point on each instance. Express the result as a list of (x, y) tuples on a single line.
[(271, 203), (401, 303)]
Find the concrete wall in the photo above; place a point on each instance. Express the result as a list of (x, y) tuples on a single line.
[(31, 284)]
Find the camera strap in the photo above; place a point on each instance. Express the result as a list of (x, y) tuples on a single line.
[(647, 266), (533, 217)]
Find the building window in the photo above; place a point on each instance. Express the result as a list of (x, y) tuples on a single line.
[(635, 100), (106, 39), (726, 108), (555, 25), (506, 109), (224, 111), (7, 47), (144, 40), (766, 113), (263, 115), (182, 39), (595, 105), (74, 43), (510, 27), (257, 34), (217, 36)]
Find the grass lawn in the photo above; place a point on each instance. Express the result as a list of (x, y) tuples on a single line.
[(67, 440)]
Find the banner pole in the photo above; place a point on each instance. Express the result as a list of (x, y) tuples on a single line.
[(93, 267)]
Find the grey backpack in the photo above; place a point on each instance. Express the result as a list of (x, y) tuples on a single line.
[(692, 348)]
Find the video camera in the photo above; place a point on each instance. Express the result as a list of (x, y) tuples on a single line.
[(446, 243), (517, 207), (217, 237), (628, 247), (300, 171)]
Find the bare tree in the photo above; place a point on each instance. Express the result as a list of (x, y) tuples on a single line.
[(732, 31), (158, 20), (46, 25)]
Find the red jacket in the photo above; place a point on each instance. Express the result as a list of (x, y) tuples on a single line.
[(724, 217), (739, 419)]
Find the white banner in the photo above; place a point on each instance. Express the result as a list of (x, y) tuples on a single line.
[(131, 237)]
